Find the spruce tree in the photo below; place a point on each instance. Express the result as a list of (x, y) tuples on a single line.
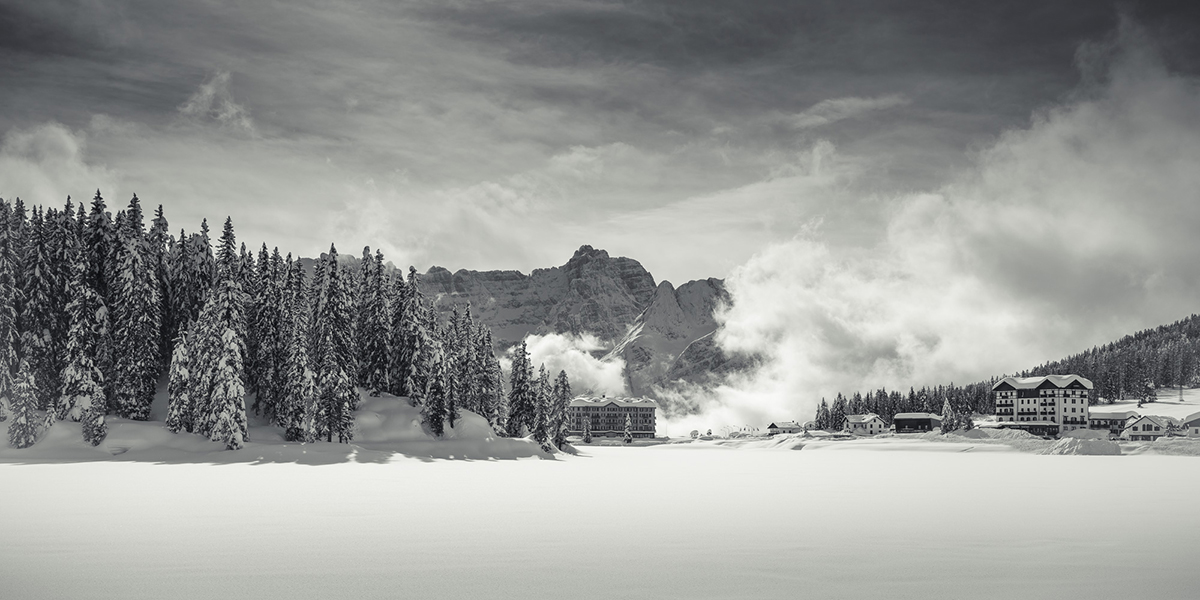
[(436, 405), (39, 321), (949, 417), (136, 320), (522, 396), (375, 331), (22, 432), (587, 430), (82, 395), (560, 416), (180, 412), (298, 406), (336, 367), (628, 429), (217, 380), (823, 415), (8, 310), (541, 418)]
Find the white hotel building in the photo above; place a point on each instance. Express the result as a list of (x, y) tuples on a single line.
[(1053, 403)]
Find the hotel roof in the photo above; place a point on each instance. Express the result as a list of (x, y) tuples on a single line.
[(1031, 383)]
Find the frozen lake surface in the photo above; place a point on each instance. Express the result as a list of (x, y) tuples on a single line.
[(687, 521)]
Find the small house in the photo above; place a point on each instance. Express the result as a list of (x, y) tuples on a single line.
[(1113, 421), (868, 424), (1191, 426), (784, 427), (916, 422), (1147, 428)]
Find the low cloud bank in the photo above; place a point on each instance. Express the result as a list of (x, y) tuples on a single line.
[(1072, 232), (573, 354)]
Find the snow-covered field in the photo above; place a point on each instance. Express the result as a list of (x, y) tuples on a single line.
[(1170, 403), (700, 520)]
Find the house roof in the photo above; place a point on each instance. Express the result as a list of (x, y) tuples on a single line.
[(1192, 421), (1033, 383), (861, 418), (1162, 422), (617, 400), (1117, 414), (917, 415), (784, 424)]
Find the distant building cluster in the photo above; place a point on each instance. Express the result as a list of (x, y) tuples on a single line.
[(1046, 406), (605, 417)]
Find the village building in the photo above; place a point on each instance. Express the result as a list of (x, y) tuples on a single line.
[(1148, 428), (784, 427), (607, 416), (1113, 421), (868, 424), (1191, 426), (916, 422), (1058, 400)]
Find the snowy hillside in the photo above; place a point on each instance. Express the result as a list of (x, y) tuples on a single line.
[(1169, 403), (384, 426)]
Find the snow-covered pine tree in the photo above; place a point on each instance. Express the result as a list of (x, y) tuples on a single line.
[(541, 413), (156, 258), (375, 331), (949, 417), (560, 416), (136, 320), (19, 247), (837, 414), (628, 435), (336, 367), (22, 432), (217, 374), (486, 372), (38, 322), (180, 411), (822, 417), (82, 396), (522, 395), (298, 407), (271, 341), (436, 407), (8, 310), (399, 359), (99, 242), (587, 430)]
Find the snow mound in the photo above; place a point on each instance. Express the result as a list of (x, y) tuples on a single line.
[(1010, 434), (1085, 447), (973, 434), (1087, 434), (385, 427)]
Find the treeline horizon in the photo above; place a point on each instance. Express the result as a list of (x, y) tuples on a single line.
[(95, 309), (1139, 366)]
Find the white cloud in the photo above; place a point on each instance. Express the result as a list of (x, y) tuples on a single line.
[(573, 354), (214, 101), (1074, 231), (837, 109), (45, 163)]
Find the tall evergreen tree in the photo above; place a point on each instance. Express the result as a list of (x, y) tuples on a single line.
[(39, 321), (82, 396), (560, 416), (541, 415), (22, 432), (375, 330), (522, 395), (436, 407), (628, 436), (298, 406), (136, 320), (8, 310), (180, 410), (336, 367), (217, 382), (587, 430)]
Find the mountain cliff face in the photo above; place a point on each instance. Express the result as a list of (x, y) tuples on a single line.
[(614, 299)]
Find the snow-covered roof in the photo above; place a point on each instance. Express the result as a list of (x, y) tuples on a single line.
[(1162, 422), (618, 400), (1192, 420), (861, 418), (1117, 414), (916, 415), (784, 425), (1030, 383)]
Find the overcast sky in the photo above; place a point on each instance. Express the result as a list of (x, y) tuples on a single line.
[(506, 134), (897, 191)]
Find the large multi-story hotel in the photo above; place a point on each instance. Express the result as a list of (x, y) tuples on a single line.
[(1053, 403), (607, 416)]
